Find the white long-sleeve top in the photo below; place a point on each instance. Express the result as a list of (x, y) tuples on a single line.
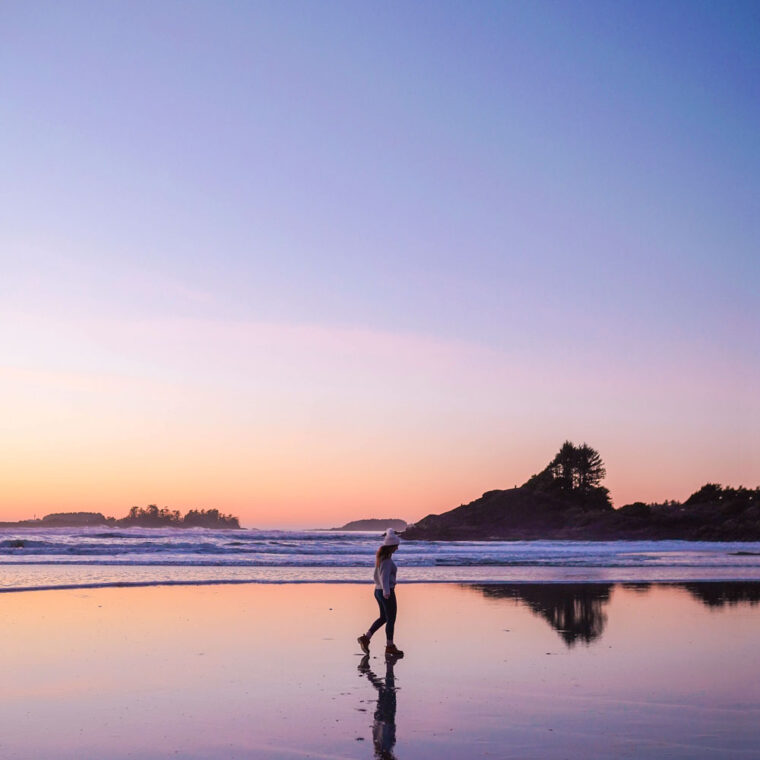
[(385, 575)]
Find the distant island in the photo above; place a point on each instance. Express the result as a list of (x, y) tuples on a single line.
[(138, 517), (566, 501), (374, 523)]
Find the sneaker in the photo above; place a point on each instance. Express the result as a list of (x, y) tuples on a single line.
[(364, 643), (393, 651)]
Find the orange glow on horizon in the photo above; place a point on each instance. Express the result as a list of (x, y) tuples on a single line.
[(311, 427)]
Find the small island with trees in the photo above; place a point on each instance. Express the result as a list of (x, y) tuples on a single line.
[(138, 517), (566, 501)]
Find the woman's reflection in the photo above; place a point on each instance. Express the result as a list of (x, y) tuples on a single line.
[(384, 727)]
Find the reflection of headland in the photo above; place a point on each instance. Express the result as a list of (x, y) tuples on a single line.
[(575, 610), (384, 726), (713, 594), (723, 593)]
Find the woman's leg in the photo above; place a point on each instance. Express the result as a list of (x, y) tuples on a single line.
[(381, 603), (390, 613)]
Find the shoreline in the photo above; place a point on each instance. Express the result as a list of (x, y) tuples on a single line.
[(339, 582)]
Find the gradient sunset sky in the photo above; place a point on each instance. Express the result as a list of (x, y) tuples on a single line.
[(308, 262)]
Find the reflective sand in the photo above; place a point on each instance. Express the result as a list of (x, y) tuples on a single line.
[(260, 671)]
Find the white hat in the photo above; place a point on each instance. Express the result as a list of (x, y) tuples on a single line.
[(391, 539)]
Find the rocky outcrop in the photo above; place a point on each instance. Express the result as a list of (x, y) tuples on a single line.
[(726, 514)]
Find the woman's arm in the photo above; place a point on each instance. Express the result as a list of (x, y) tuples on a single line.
[(385, 577)]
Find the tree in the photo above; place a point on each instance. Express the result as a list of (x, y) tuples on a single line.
[(209, 518), (152, 516), (709, 492), (563, 467), (576, 472), (589, 467)]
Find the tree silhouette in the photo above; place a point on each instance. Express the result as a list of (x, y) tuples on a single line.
[(153, 517), (575, 472), (209, 518), (590, 469)]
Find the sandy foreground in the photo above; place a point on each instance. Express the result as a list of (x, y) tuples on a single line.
[(273, 671)]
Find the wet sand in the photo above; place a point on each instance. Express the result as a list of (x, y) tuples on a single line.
[(273, 671)]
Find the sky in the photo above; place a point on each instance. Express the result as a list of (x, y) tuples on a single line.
[(312, 262)]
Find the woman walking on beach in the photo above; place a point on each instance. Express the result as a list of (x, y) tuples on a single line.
[(385, 593)]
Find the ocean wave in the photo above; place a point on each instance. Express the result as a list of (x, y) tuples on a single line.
[(137, 547)]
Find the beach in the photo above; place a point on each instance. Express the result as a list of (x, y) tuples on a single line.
[(273, 670), (287, 287)]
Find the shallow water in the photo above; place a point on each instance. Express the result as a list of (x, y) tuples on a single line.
[(272, 671)]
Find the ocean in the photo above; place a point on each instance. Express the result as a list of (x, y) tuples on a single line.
[(92, 557)]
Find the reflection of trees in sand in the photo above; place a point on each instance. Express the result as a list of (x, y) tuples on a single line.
[(713, 594), (575, 610), (722, 594)]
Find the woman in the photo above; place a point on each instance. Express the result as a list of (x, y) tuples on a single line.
[(385, 584)]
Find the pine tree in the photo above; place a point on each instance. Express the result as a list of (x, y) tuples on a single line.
[(577, 472)]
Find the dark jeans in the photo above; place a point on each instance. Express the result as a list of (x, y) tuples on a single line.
[(387, 613)]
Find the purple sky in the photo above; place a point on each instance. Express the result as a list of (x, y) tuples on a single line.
[(312, 260)]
